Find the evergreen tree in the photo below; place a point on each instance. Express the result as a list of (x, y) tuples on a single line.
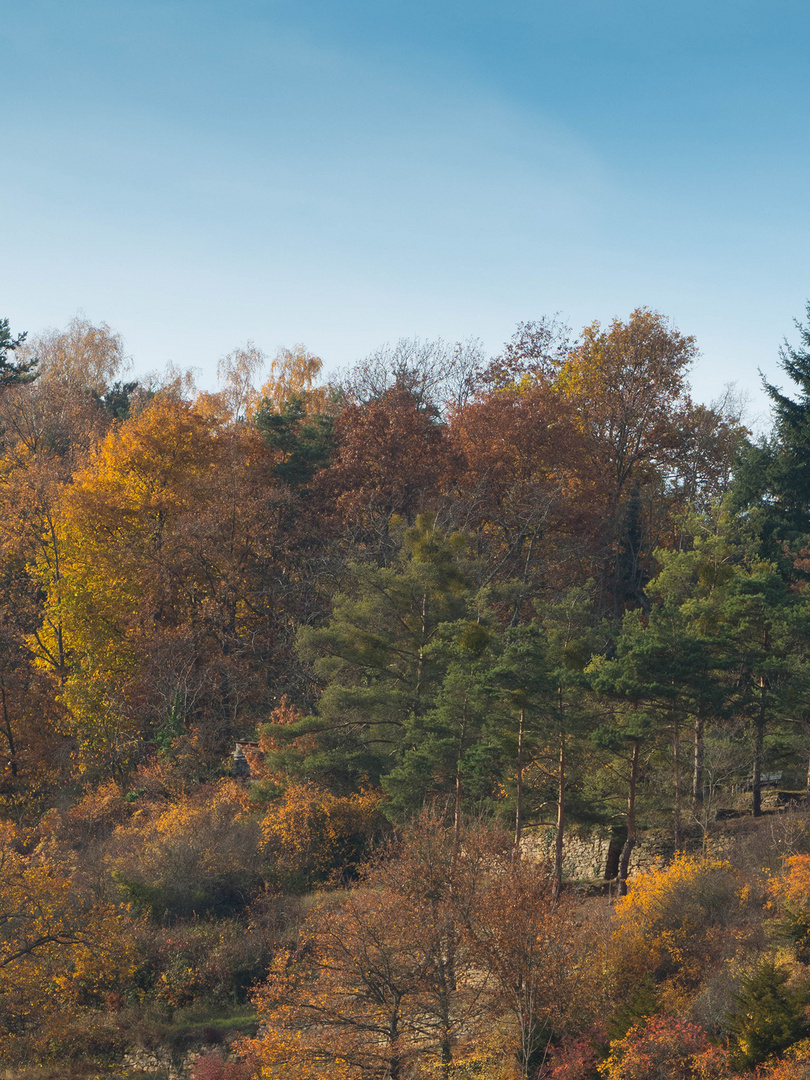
[(303, 441), (540, 680), (375, 657), (452, 750), (773, 475), (14, 372), (769, 1014)]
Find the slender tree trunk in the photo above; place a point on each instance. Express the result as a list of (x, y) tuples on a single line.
[(630, 842), (697, 769), (12, 750), (558, 838), (519, 786), (459, 793), (515, 620), (677, 821), (759, 744), (57, 576), (446, 974), (422, 641)]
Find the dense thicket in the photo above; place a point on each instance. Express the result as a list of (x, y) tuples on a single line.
[(544, 591)]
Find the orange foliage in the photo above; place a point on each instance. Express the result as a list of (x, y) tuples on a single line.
[(59, 947), (795, 1065), (665, 1048), (313, 833), (670, 923), (347, 1003), (197, 855), (292, 375), (446, 956), (392, 455), (790, 894), (524, 474), (284, 714), (161, 610), (628, 384)]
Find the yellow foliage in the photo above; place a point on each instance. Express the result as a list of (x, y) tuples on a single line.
[(628, 385), (313, 832), (292, 374), (791, 889), (59, 948), (668, 924), (237, 372), (112, 527), (154, 540), (789, 894), (197, 855), (795, 1065), (286, 1055)]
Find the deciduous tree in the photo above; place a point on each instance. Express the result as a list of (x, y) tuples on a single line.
[(59, 946), (628, 386), (524, 486), (162, 599), (390, 457)]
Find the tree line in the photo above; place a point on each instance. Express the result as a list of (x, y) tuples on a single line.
[(546, 589)]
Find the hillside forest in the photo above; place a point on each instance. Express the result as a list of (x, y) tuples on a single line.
[(296, 676)]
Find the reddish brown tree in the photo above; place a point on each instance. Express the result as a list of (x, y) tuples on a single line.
[(392, 454), (525, 486)]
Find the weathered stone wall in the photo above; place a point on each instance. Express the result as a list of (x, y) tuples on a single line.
[(162, 1062), (593, 854), (585, 855)]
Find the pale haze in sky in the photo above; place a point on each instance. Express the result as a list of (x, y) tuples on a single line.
[(344, 174)]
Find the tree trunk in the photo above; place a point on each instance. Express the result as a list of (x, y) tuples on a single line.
[(759, 744), (698, 769), (519, 786), (12, 751), (459, 792), (677, 822), (558, 837), (630, 842), (394, 1054)]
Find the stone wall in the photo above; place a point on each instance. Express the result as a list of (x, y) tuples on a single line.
[(161, 1062), (593, 854)]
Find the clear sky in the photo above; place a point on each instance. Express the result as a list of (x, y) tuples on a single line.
[(345, 173)]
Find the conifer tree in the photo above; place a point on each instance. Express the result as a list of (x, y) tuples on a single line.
[(774, 474), (14, 371), (376, 660)]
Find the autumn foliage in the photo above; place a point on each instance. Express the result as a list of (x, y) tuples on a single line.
[(665, 1048), (306, 687)]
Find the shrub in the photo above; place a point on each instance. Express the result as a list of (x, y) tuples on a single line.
[(794, 1066), (215, 1067), (789, 894), (670, 927), (198, 856), (312, 833), (665, 1048), (769, 1015)]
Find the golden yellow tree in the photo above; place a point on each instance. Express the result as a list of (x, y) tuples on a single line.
[(674, 925), (292, 375), (163, 543), (60, 948)]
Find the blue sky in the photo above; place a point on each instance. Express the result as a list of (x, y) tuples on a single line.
[(197, 174)]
